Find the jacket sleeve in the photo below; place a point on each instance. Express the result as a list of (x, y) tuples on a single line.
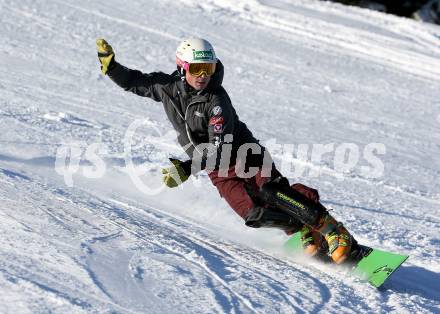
[(221, 123), (145, 85), (221, 116)]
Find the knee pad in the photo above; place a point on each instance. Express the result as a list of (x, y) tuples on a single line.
[(292, 202)]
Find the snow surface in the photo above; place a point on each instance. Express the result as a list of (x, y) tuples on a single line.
[(300, 72)]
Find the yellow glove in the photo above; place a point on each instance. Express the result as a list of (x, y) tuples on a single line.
[(105, 55), (176, 174)]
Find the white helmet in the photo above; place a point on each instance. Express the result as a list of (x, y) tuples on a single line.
[(194, 50)]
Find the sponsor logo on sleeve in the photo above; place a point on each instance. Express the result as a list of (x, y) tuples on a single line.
[(218, 128), (217, 110), (217, 141), (216, 120)]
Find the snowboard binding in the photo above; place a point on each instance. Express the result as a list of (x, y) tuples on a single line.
[(292, 211)]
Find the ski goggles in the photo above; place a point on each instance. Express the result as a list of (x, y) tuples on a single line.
[(198, 69)]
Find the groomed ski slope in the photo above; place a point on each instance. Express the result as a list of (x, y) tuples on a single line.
[(299, 72)]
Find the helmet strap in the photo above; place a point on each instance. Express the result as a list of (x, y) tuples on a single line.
[(181, 72)]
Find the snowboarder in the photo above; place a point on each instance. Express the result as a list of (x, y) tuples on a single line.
[(201, 111)]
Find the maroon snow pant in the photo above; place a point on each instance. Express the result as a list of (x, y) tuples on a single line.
[(233, 188)]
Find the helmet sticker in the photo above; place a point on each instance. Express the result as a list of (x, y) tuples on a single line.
[(203, 55)]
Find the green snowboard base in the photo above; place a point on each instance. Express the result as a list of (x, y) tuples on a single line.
[(376, 267)]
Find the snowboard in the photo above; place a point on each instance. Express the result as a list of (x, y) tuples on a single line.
[(375, 267)]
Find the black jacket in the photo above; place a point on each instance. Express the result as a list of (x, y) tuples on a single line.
[(205, 116)]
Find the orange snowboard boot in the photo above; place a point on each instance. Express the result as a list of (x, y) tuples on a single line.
[(311, 240), (338, 238)]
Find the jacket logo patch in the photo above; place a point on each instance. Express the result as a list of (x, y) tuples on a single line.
[(216, 110), (199, 114), (216, 120), (217, 141), (218, 128)]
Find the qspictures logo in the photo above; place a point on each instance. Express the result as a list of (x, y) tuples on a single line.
[(143, 138), (203, 55)]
